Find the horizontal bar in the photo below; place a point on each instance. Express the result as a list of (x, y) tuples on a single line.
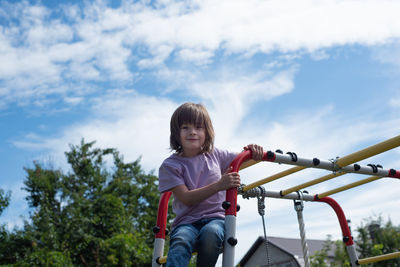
[(346, 187), (254, 192), (248, 163), (274, 177), (331, 165), (384, 257), (313, 182), (369, 169), (163, 259), (369, 151)]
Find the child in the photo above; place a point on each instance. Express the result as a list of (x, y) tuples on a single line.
[(198, 176)]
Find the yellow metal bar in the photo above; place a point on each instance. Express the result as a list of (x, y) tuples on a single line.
[(389, 256), (369, 151), (163, 259), (346, 187), (248, 163), (273, 177), (312, 182)]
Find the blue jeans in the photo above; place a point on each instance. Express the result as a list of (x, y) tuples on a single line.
[(205, 236)]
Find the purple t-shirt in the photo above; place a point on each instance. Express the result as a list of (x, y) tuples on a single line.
[(195, 172)]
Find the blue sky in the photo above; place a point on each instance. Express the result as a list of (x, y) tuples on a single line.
[(317, 78)]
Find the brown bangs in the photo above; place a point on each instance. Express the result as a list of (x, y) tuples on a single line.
[(191, 115), (195, 114)]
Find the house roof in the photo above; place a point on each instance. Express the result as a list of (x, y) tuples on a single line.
[(291, 246)]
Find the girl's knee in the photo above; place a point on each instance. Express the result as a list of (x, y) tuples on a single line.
[(209, 246), (214, 229), (184, 236), (211, 238)]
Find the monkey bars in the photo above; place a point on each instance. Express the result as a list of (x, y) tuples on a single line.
[(337, 167)]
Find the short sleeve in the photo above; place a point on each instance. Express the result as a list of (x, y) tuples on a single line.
[(170, 175), (225, 158)]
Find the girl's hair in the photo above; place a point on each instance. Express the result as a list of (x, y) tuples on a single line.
[(195, 114)]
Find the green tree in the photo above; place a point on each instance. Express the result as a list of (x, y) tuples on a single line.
[(340, 258), (4, 235), (376, 237), (13, 244), (4, 200), (320, 256), (100, 213), (44, 257)]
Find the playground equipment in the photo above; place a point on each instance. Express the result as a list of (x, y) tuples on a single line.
[(338, 167)]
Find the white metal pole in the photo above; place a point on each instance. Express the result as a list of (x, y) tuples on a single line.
[(158, 251), (351, 251), (230, 241)]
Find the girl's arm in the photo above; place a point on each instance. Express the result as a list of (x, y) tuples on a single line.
[(228, 180), (195, 196)]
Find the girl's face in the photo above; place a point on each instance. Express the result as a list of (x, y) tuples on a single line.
[(192, 139)]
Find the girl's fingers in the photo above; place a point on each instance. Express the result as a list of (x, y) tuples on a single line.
[(256, 150)]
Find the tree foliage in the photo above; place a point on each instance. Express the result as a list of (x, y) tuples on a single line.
[(100, 213), (374, 238), (340, 259), (4, 200)]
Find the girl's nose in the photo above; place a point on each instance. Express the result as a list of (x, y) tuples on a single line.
[(192, 130)]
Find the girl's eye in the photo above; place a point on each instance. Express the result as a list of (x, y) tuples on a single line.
[(199, 126)]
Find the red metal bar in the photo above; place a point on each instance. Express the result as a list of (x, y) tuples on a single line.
[(347, 238), (231, 194), (393, 173), (162, 214)]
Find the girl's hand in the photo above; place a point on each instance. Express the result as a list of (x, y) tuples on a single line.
[(229, 180), (257, 152)]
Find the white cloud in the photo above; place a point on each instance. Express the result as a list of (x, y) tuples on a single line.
[(39, 52), (389, 54), (197, 57), (265, 26), (160, 54), (99, 43), (135, 124), (395, 102), (123, 117)]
